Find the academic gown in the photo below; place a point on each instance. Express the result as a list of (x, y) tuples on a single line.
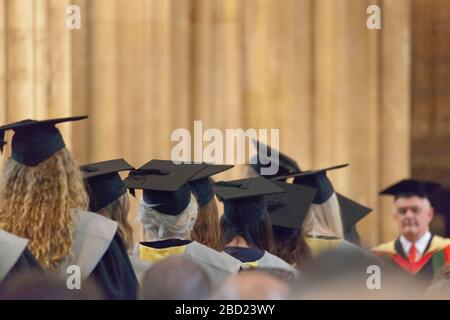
[(97, 249), (218, 265), (114, 273), (352, 236), (256, 258), (99, 252), (345, 250), (15, 258), (436, 255)]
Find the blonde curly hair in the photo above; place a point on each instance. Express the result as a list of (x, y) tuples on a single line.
[(36, 203)]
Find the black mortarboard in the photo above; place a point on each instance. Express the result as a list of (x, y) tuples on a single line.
[(164, 184), (201, 184), (35, 141), (316, 179), (289, 209), (104, 182), (286, 165), (411, 187), (243, 199), (351, 212)]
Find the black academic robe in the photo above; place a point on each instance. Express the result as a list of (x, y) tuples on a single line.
[(436, 254), (26, 263), (114, 273)]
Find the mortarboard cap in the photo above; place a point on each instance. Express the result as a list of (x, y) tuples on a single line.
[(316, 179), (164, 184), (351, 212), (244, 199), (35, 141), (104, 182), (411, 187), (289, 209), (286, 165), (201, 185)]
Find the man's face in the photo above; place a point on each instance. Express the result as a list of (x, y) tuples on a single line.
[(413, 216)]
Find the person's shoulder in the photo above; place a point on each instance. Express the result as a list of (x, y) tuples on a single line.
[(272, 261), (197, 247), (439, 243), (385, 248), (94, 224), (11, 248)]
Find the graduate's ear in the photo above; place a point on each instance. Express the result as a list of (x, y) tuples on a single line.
[(431, 213)]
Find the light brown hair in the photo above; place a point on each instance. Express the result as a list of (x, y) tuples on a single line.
[(206, 228)]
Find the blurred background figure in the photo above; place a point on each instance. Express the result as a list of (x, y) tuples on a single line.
[(39, 286), (415, 252), (253, 285), (351, 276), (176, 278), (440, 287)]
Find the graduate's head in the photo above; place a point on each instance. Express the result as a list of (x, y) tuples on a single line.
[(108, 194), (413, 211), (245, 211), (168, 208), (287, 213), (39, 186), (324, 219), (206, 228), (160, 225), (257, 232), (413, 215), (324, 214)]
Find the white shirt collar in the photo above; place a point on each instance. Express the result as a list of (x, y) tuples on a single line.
[(420, 244)]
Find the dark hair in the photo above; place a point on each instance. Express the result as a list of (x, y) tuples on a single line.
[(257, 234), (290, 245)]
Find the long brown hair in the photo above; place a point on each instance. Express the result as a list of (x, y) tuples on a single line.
[(36, 203), (290, 245), (206, 228), (118, 211)]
